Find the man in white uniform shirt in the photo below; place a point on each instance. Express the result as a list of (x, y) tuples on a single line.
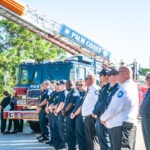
[(121, 115), (87, 109)]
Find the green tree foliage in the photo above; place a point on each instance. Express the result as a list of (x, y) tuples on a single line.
[(144, 71), (16, 44)]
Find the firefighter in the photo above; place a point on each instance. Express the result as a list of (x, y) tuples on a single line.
[(42, 114), (76, 113), (53, 99), (60, 118), (71, 99)]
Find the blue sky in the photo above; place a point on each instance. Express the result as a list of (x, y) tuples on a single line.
[(122, 27)]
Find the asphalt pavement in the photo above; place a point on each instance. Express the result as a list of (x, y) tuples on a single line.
[(22, 141), (27, 141)]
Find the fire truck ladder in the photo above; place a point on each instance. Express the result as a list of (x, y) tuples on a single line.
[(56, 33)]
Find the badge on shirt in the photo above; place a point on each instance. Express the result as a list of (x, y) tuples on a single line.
[(120, 94), (96, 92)]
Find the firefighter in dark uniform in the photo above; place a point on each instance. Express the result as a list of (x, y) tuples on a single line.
[(49, 114), (76, 113), (71, 99), (105, 96), (58, 112), (53, 99), (42, 114)]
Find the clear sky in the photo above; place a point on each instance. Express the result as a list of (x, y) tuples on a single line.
[(122, 27)]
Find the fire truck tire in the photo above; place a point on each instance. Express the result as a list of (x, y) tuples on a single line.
[(35, 126)]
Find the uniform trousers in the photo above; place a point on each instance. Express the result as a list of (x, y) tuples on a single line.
[(80, 133), (91, 138), (43, 123), (70, 129), (61, 129), (123, 137), (146, 131), (103, 135), (54, 130)]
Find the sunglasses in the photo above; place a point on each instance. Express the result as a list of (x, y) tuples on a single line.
[(147, 78), (112, 74), (87, 78), (81, 85)]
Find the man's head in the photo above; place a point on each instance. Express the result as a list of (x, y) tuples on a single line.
[(90, 79), (46, 84), (77, 84), (6, 93), (82, 85), (113, 75), (69, 85), (103, 77), (53, 84), (57, 86), (125, 73), (62, 85)]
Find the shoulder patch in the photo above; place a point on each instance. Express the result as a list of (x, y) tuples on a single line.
[(120, 94), (97, 92), (75, 94)]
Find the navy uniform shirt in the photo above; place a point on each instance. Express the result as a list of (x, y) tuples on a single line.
[(101, 102), (145, 106), (79, 102), (43, 95), (51, 97), (112, 91), (62, 97), (72, 97)]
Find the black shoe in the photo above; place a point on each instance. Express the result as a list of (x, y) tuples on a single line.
[(44, 139), (13, 132), (49, 142), (39, 137), (60, 147), (6, 132)]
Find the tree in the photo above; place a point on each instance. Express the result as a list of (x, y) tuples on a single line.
[(144, 71), (17, 43)]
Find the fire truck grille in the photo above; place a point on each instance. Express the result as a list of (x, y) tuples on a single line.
[(33, 93)]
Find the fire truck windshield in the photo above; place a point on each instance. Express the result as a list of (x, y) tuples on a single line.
[(29, 75), (36, 74)]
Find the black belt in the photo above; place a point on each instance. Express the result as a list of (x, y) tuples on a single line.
[(146, 116)]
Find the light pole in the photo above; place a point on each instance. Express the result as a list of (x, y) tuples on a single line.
[(6, 77)]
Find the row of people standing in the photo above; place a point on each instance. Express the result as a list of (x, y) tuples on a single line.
[(62, 102), (95, 118)]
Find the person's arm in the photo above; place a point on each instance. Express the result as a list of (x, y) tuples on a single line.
[(78, 102), (60, 107), (74, 114), (44, 102), (115, 106)]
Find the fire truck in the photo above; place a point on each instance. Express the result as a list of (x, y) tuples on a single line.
[(87, 57)]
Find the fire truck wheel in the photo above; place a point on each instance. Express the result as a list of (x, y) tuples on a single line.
[(34, 125)]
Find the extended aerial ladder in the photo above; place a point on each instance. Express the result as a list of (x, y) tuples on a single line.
[(58, 34)]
